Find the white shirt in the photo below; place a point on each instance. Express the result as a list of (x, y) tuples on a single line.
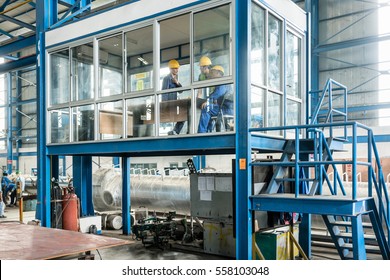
[(22, 181)]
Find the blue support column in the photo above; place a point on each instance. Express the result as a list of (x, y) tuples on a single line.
[(82, 182), (18, 118), (63, 166), (126, 204), (115, 162), (359, 249), (312, 7), (54, 167), (243, 184), (9, 123), (305, 225), (44, 16), (196, 160)]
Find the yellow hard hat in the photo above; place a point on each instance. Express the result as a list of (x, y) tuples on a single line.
[(204, 61), (173, 64), (219, 68)]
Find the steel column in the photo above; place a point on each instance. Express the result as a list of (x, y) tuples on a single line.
[(9, 123), (126, 195), (44, 19), (359, 249), (82, 182), (54, 167), (243, 149), (18, 141), (115, 161)]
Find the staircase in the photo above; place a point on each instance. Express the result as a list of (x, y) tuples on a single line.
[(342, 211)]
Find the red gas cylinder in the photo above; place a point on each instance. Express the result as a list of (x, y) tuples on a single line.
[(70, 212)]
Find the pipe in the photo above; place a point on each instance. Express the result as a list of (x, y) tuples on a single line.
[(158, 193)]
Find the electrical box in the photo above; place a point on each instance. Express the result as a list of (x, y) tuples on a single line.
[(275, 243)]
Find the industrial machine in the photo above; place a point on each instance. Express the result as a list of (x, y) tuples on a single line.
[(195, 211)]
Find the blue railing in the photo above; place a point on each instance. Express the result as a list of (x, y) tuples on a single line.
[(324, 111), (323, 157)]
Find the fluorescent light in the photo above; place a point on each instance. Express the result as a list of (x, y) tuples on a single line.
[(143, 60)]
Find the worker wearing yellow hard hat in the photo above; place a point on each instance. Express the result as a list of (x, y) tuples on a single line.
[(204, 65), (173, 64), (216, 101), (172, 81)]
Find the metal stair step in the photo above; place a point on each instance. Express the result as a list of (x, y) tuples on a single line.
[(349, 235), (369, 248), (349, 224)]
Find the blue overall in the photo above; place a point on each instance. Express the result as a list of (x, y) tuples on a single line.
[(214, 106)]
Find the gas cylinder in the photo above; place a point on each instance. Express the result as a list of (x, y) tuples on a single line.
[(70, 212)]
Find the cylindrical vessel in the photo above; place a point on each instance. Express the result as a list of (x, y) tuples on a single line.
[(70, 212), (114, 222), (156, 193)]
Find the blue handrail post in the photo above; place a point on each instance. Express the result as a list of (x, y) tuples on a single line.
[(297, 162), (321, 166), (369, 158), (354, 161)]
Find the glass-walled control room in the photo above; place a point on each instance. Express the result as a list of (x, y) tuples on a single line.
[(173, 76)]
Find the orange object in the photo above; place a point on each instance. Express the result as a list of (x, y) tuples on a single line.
[(70, 212)]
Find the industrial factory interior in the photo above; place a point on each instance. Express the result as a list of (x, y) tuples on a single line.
[(195, 130)]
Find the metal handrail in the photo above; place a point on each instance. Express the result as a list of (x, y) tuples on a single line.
[(376, 182)]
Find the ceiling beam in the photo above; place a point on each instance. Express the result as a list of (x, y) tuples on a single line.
[(18, 22), (17, 45)]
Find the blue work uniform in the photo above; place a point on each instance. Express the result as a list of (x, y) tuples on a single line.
[(8, 186), (214, 106), (167, 84)]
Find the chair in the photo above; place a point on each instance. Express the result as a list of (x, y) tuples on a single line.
[(221, 120)]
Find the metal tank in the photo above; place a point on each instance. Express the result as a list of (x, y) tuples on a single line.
[(154, 192)]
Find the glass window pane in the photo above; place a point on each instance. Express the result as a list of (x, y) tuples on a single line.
[(258, 42), (293, 113), (82, 72), (139, 59), (216, 112), (274, 109), (111, 120), (59, 121), (274, 51), (175, 114), (174, 67), (83, 123), (293, 65), (59, 77), (211, 40), (141, 112), (257, 107), (110, 66)]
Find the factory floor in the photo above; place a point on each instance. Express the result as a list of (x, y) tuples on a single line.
[(135, 250)]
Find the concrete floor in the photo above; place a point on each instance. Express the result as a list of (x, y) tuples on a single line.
[(135, 250)]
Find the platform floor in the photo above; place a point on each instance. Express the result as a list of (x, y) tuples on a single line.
[(134, 250)]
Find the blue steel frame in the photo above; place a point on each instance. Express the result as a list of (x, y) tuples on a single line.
[(44, 18), (238, 144), (243, 149)]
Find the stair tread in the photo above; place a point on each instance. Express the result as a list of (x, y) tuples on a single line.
[(368, 247), (349, 224), (349, 235)]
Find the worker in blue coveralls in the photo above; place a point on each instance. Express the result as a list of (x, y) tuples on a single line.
[(8, 188), (172, 81), (213, 104)]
